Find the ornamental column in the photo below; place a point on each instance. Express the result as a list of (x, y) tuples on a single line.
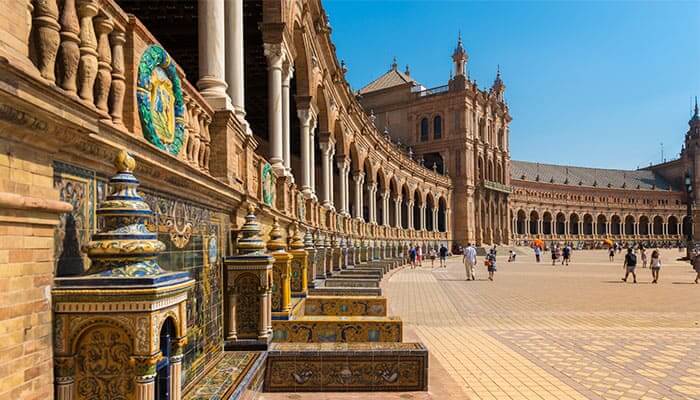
[(275, 58), (326, 148), (385, 206), (305, 117), (212, 54), (344, 168), (409, 214), (397, 211), (312, 153), (235, 68), (358, 177), (372, 199), (422, 217), (287, 73), (435, 219)]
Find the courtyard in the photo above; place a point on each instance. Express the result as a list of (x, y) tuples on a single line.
[(543, 332)]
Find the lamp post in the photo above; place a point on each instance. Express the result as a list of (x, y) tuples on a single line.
[(689, 212)]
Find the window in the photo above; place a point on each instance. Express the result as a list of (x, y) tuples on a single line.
[(424, 129), (437, 127)]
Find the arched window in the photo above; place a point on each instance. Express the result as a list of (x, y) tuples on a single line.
[(437, 127), (424, 130)]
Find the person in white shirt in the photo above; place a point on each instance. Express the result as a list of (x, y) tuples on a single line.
[(469, 260)]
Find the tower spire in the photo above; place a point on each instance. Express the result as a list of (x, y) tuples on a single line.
[(460, 57)]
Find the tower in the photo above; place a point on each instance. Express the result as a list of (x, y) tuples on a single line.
[(498, 88), (460, 58), (691, 156)]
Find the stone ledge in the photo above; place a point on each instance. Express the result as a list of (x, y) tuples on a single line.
[(18, 202)]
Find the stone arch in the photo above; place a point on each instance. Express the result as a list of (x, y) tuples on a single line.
[(534, 223), (417, 204), (615, 225), (393, 195), (302, 62), (442, 214), (405, 193), (629, 225), (601, 224), (547, 223), (673, 225), (658, 226), (587, 224), (423, 129), (368, 181), (521, 217), (574, 221), (437, 126), (644, 225), (560, 222), (429, 210)]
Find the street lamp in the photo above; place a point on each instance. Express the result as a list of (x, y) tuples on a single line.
[(689, 212)]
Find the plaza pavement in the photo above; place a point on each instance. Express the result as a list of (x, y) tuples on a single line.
[(543, 332)]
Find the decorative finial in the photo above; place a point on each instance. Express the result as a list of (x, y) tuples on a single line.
[(126, 164), (297, 242), (394, 65), (250, 231), (308, 239), (124, 247), (276, 243), (408, 71)]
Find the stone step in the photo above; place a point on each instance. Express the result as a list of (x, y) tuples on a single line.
[(351, 282), (363, 271), (346, 306), (345, 291), (361, 367), (357, 276), (318, 329)]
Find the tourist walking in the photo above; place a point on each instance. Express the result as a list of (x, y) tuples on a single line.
[(538, 253), (412, 256), (469, 260), (491, 264), (630, 265), (555, 254), (643, 253), (696, 267), (419, 256), (611, 253), (432, 257), (566, 255), (443, 256), (655, 265), (511, 256)]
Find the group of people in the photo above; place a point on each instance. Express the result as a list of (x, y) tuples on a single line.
[(630, 264), (415, 256)]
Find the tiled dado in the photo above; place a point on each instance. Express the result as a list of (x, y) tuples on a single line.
[(316, 329), (371, 282), (235, 375), (345, 291), (346, 306), (335, 367)]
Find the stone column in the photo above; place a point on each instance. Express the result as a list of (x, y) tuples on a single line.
[(312, 153), (305, 117), (344, 168), (409, 214), (397, 211), (287, 73), (234, 58), (385, 206), (422, 217), (326, 177), (372, 199), (176, 377), (275, 58), (358, 178), (212, 53), (435, 219), (331, 181), (145, 387)]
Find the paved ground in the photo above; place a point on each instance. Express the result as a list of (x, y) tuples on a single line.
[(543, 332)]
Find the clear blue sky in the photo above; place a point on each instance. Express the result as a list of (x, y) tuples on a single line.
[(588, 83)]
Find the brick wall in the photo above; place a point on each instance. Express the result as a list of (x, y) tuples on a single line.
[(28, 215)]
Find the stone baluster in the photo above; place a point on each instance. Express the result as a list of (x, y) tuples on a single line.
[(193, 155), (69, 52), (116, 94), (205, 139), (103, 26), (87, 67), (47, 37)]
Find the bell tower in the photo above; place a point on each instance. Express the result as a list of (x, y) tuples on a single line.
[(691, 155)]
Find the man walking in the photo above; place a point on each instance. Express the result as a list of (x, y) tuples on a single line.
[(469, 260), (443, 256), (630, 265)]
